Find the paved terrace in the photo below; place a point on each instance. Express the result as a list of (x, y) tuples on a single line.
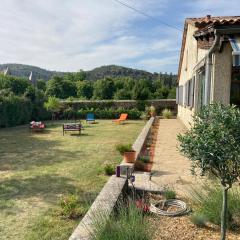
[(170, 168)]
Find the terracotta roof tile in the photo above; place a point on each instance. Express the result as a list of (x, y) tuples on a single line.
[(204, 21)]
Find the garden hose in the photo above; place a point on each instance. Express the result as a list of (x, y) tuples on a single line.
[(158, 208)]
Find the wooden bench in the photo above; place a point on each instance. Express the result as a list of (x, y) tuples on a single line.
[(72, 127)]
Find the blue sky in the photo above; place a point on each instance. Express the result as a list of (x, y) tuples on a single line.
[(69, 35)]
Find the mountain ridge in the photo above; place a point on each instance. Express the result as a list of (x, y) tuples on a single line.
[(114, 71)]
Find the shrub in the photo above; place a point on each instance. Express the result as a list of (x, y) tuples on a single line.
[(109, 169), (152, 110), (170, 194), (122, 148), (167, 114), (198, 219), (109, 113), (144, 159), (71, 207), (129, 224), (14, 110)]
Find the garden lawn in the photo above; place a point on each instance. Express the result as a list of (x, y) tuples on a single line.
[(38, 169)]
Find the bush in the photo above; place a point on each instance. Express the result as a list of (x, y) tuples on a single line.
[(108, 113), (71, 207), (198, 219), (170, 194), (109, 169), (208, 201), (122, 148), (14, 110), (144, 159), (129, 224), (167, 114)]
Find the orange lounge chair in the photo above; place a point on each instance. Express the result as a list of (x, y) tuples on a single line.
[(122, 118)]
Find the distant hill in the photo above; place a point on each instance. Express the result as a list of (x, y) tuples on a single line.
[(21, 70), (97, 73), (117, 71)]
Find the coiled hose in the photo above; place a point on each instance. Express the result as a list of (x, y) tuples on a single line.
[(158, 207)]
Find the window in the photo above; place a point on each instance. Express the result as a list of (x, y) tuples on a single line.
[(201, 90)]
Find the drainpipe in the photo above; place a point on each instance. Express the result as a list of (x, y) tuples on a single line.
[(209, 67)]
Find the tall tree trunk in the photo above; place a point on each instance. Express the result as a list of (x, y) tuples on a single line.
[(224, 213)]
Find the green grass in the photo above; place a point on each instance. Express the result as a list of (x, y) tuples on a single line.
[(37, 170)]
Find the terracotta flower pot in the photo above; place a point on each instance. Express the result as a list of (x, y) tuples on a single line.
[(129, 157)]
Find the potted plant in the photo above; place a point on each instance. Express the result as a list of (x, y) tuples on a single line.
[(152, 111), (127, 152), (142, 163)]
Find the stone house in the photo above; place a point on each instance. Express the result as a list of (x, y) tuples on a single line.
[(209, 67)]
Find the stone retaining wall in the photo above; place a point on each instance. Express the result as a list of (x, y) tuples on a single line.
[(127, 104), (113, 191)]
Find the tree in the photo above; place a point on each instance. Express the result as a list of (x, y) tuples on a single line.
[(103, 89), (41, 85), (53, 105), (84, 89), (122, 94), (60, 88), (142, 90), (213, 145), (16, 84)]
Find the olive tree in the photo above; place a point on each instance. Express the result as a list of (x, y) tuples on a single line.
[(213, 146)]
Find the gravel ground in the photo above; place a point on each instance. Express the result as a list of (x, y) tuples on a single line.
[(181, 228)]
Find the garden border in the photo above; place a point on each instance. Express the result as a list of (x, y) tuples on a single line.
[(113, 191)]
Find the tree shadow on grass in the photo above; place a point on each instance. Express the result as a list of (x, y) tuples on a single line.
[(26, 151), (46, 187)]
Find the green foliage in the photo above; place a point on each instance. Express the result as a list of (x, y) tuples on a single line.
[(61, 88), (122, 94), (208, 201), (122, 148), (172, 93), (107, 113), (16, 85), (41, 85), (52, 105), (129, 224), (213, 142), (84, 89), (14, 110), (167, 114), (141, 90), (198, 219), (71, 207), (103, 89), (213, 145), (169, 194), (144, 159), (109, 169)]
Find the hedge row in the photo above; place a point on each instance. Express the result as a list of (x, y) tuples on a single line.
[(14, 110), (106, 113), (126, 104)]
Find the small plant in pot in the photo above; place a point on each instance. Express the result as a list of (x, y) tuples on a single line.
[(127, 152), (152, 111)]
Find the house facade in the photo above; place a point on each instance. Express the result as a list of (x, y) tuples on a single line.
[(209, 67)]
